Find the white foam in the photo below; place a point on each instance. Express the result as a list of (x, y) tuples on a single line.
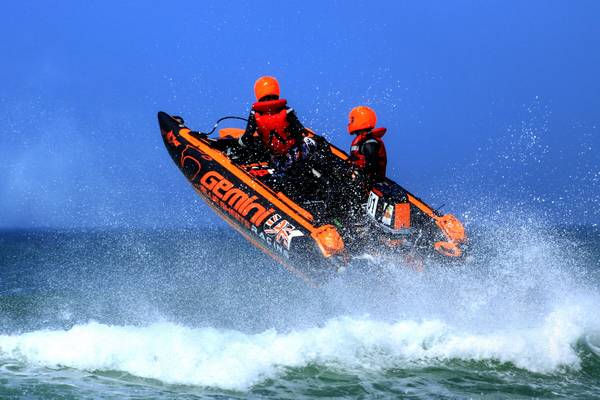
[(235, 360)]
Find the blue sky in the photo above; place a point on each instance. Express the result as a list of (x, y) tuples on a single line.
[(488, 104)]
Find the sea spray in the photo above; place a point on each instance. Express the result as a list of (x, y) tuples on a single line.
[(523, 304)]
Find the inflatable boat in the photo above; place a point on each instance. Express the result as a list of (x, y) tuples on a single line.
[(311, 222)]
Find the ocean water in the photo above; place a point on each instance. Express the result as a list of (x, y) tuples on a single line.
[(139, 314)]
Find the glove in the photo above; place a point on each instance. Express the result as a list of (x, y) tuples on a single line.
[(309, 145), (320, 141)]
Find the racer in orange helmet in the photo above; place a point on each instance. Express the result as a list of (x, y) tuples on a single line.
[(367, 154), (279, 129)]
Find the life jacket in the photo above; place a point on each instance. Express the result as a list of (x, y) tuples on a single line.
[(358, 159), (272, 125)]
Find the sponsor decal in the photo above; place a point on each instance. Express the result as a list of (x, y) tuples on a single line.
[(172, 140), (372, 204), (283, 231), (233, 200), (270, 227), (387, 214)]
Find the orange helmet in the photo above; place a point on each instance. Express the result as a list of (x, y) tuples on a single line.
[(361, 117), (266, 86)]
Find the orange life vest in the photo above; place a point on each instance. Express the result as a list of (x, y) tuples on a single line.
[(358, 159), (272, 126)]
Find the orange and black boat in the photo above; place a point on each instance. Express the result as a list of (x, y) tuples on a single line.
[(316, 225)]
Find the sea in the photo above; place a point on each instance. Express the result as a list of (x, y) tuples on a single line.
[(201, 314)]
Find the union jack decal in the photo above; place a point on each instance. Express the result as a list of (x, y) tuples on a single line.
[(284, 231)]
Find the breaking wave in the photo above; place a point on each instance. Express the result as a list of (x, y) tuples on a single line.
[(231, 359)]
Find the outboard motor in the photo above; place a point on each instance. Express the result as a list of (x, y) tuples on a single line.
[(397, 212), (389, 209)]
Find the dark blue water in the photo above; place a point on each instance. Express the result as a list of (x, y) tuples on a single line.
[(200, 313)]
